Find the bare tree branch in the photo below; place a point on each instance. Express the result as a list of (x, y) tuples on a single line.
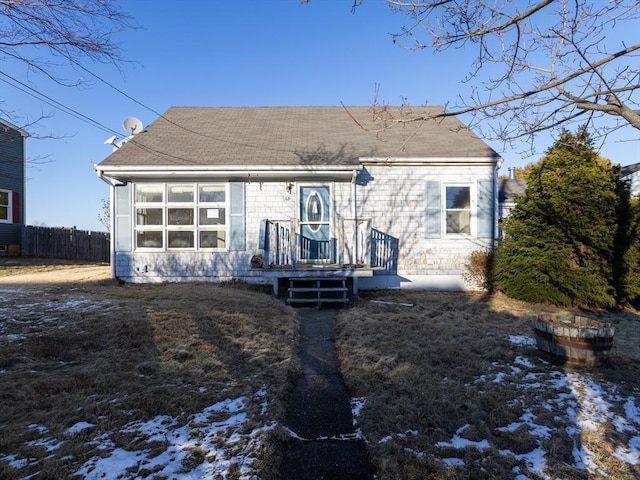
[(539, 64), (50, 37)]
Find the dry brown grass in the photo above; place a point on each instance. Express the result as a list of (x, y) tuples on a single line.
[(108, 354), (11, 266), (429, 370)]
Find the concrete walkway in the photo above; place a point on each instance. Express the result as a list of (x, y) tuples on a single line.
[(320, 412)]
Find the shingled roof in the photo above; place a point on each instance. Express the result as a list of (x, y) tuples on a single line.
[(240, 136), (510, 188)]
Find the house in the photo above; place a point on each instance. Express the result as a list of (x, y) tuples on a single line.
[(12, 187), (508, 190), (271, 194), (631, 173)]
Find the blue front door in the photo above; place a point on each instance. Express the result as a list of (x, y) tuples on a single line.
[(315, 224)]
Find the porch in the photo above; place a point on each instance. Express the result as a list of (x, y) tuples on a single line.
[(322, 270)]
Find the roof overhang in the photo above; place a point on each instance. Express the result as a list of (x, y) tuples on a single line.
[(21, 131), (258, 173), (431, 161)]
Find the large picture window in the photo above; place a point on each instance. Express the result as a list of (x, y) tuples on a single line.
[(181, 216), (5, 197)]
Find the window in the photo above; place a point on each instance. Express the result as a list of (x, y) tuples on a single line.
[(149, 216), (212, 216), (181, 216), (180, 194), (458, 209), (4, 206), (149, 194)]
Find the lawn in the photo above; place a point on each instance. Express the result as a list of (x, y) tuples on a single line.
[(449, 386), (102, 380)]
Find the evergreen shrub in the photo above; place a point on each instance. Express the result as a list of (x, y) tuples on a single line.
[(567, 241)]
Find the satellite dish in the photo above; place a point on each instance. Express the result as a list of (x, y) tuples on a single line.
[(132, 125), (111, 140)]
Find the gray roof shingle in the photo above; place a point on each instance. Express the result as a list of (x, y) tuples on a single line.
[(629, 169), (287, 136), (509, 189)]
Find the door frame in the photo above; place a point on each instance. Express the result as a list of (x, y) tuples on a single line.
[(330, 257)]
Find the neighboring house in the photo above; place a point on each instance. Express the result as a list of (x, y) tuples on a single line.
[(12, 187), (508, 190), (631, 173), (266, 194)]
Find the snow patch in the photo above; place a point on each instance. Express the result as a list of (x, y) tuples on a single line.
[(78, 427), (211, 444), (522, 340)]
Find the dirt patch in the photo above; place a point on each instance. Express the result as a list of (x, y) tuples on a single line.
[(61, 274), (41, 271)]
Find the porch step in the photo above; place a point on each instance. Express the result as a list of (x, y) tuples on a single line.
[(317, 291)]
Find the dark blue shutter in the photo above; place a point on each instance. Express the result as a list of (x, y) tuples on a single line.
[(486, 209), (122, 210), (433, 209), (236, 217), (15, 207)]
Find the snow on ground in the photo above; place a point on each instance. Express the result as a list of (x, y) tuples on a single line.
[(37, 308), (584, 404), (203, 447), (218, 441), (214, 443), (221, 441)]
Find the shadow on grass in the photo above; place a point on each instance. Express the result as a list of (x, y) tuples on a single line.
[(453, 388), (105, 355)]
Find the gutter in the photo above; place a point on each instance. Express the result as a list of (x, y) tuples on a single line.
[(112, 218), (246, 173)]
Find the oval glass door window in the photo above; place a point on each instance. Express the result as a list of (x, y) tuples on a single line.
[(313, 211)]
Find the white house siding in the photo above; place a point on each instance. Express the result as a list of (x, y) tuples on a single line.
[(634, 183), (391, 199), (266, 201), (151, 267), (263, 200), (394, 198), (279, 201)]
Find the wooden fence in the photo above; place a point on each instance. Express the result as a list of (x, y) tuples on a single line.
[(67, 243)]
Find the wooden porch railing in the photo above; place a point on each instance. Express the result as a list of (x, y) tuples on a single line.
[(277, 240), (283, 246), (356, 242)]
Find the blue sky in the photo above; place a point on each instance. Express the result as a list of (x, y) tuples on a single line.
[(221, 53)]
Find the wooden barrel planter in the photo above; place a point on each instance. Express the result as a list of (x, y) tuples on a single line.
[(577, 341)]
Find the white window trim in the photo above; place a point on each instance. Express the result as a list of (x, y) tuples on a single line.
[(473, 207), (149, 228), (213, 228), (196, 228), (9, 206)]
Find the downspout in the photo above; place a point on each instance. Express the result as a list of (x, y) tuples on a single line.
[(354, 176), (112, 217), (496, 211)]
